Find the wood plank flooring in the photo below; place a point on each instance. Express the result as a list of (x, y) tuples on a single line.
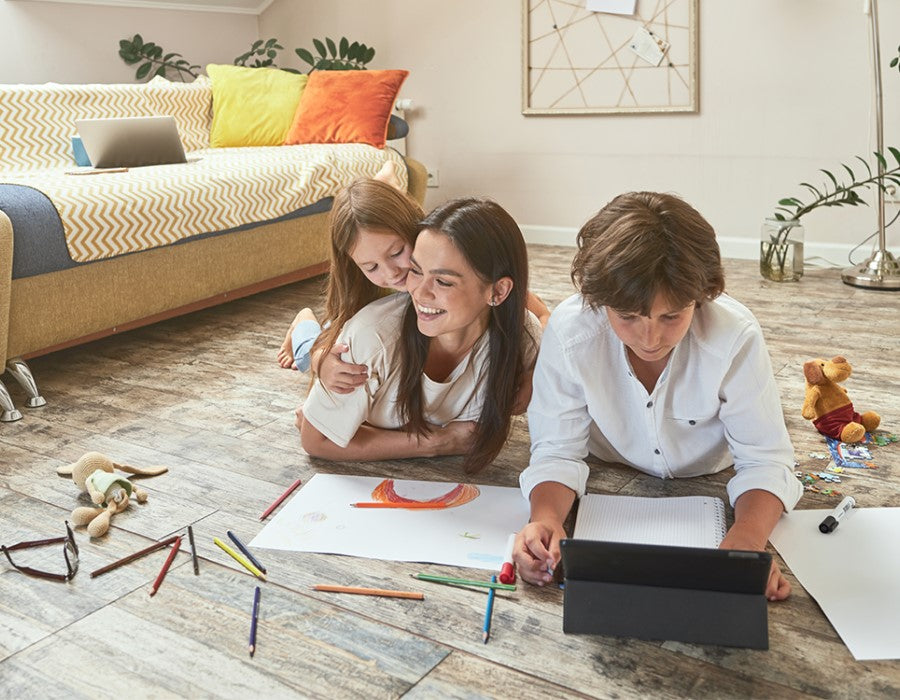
[(202, 394)]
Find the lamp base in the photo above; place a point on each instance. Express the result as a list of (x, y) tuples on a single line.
[(881, 271)]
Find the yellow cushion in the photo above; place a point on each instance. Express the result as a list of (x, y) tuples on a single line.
[(252, 106)]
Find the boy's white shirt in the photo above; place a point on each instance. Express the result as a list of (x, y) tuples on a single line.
[(715, 404)]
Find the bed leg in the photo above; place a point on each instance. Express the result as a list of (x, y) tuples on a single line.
[(22, 374), (8, 412)]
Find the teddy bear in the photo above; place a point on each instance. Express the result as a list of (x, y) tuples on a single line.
[(95, 474), (827, 405)]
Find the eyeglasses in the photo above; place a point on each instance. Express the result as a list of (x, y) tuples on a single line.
[(70, 552)]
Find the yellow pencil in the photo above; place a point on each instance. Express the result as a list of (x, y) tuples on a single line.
[(239, 559)]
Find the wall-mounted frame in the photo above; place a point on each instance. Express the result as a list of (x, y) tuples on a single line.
[(576, 61)]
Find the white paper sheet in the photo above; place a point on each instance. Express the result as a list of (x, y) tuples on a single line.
[(319, 518), (615, 7), (853, 573)]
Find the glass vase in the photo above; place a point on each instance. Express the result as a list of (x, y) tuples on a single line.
[(781, 250)]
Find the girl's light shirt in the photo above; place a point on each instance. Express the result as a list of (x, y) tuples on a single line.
[(715, 404), (373, 335)]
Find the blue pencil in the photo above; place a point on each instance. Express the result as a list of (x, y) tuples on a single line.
[(488, 612), (240, 546), (253, 620)]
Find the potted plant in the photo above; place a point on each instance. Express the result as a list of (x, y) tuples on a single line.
[(781, 244)]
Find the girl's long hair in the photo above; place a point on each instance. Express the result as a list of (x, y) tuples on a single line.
[(492, 244), (365, 204)]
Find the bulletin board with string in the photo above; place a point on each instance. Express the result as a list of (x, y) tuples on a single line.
[(636, 56)]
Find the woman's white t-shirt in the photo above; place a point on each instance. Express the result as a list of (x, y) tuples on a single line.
[(373, 336)]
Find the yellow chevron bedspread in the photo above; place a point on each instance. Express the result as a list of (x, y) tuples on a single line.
[(110, 214)]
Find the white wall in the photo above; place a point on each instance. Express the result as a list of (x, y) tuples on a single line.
[(784, 90), (72, 43)]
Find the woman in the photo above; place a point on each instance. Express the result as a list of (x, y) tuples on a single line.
[(445, 362)]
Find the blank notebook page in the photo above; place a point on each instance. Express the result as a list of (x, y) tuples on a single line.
[(688, 521)]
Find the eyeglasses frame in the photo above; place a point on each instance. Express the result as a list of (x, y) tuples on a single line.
[(72, 570)]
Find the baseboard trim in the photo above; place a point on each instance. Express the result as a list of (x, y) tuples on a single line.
[(730, 246)]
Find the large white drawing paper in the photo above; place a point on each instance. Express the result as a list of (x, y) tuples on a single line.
[(853, 574), (319, 518)]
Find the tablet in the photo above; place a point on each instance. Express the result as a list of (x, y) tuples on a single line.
[(707, 596)]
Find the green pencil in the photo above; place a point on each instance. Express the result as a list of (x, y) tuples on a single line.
[(464, 582)]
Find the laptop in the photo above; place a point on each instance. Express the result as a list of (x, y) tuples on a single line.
[(655, 592), (130, 142)]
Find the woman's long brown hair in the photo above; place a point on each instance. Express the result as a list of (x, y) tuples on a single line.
[(492, 243), (365, 204)]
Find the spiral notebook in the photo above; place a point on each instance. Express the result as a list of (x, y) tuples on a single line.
[(686, 521)]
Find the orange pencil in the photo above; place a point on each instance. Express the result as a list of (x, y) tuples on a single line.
[(384, 593), (414, 504), (165, 568)]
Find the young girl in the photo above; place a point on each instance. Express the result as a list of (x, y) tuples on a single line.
[(650, 365), (445, 361), (373, 229)]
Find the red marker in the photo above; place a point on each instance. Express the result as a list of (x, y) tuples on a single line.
[(508, 570)]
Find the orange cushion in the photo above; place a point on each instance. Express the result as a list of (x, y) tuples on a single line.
[(346, 106)]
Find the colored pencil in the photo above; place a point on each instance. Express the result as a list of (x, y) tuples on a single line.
[(415, 505), (193, 551), (369, 591), (488, 613), (246, 552), (254, 619), (239, 559), (463, 582), (165, 567), (131, 557), (290, 490)]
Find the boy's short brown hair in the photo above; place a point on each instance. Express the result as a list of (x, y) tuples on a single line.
[(644, 243)]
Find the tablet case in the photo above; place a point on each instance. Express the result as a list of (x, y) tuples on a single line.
[(685, 594)]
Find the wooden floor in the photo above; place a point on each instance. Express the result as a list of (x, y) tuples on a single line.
[(203, 395)]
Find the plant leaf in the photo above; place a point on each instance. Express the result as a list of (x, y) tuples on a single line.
[(320, 47), (332, 49), (353, 51), (305, 56), (143, 70), (881, 160), (344, 45), (895, 153), (866, 163), (830, 177), (370, 54)]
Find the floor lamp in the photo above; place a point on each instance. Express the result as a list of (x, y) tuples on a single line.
[(881, 270)]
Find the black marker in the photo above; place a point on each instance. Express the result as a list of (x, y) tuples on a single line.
[(831, 522)]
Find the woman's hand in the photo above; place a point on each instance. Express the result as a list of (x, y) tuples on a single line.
[(536, 551), (338, 376), (454, 438)]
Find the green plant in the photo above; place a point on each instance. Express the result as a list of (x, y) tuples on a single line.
[(153, 60), (895, 61), (262, 52), (777, 250), (837, 193), (341, 56)]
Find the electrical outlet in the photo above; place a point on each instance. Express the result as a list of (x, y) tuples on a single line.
[(434, 177)]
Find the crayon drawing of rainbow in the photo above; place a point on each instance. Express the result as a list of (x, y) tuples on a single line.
[(457, 496)]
